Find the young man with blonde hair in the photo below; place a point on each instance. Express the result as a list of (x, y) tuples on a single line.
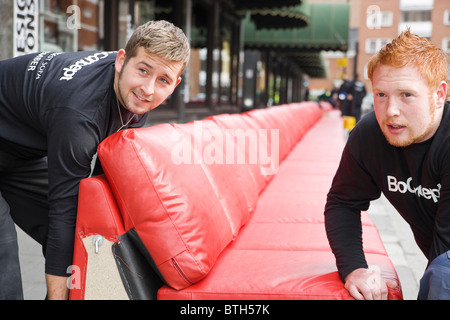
[(403, 151), (55, 108)]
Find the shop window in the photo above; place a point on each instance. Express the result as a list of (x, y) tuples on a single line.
[(446, 45), (125, 24), (377, 19), (447, 17), (416, 16), (67, 25), (374, 45)]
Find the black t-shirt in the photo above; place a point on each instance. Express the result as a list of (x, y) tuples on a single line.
[(60, 105), (415, 180)]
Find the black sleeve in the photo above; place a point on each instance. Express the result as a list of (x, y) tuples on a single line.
[(441, 230), (72, 142), (351, 192)]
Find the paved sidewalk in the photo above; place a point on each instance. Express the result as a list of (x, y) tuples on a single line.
[(397, 237), (32, 267)]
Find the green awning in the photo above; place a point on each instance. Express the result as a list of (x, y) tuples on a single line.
[(263, 4), (283, 17), (312, 63), (328, 30)]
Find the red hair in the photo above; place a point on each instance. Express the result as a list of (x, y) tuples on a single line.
[(409, 48)]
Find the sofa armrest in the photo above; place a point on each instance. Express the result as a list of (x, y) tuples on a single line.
[(99, 224), (97, 209)]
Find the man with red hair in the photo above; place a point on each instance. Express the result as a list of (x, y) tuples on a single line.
[(402, 149)]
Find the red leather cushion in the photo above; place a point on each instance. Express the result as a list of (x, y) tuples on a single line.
[(184, 212), (230, 179), (245, 146)]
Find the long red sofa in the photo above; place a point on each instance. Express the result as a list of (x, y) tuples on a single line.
[(229, 207)]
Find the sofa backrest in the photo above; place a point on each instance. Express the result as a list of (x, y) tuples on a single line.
[(186, 189)]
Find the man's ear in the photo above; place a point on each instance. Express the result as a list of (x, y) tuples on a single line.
[(178, 81), (120, 60), (441, 94)]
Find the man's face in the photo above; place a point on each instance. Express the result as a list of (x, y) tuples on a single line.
[(405, 109), (145, 81)]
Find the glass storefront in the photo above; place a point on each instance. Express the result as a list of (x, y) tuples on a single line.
[(215, 80), (66, 25), (83, 25)]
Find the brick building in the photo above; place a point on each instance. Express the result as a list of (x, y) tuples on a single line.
[(373, 23)]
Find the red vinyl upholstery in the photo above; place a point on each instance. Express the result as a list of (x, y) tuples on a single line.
[(220, 228), (97, 214)]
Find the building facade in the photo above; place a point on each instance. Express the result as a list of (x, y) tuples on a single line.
[(372, 24), (228, 71), (383, 20), (210, 84)]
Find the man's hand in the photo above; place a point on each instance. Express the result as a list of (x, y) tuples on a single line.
[(57, 287), (367, 284)]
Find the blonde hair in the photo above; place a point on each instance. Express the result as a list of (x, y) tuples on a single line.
[(409, 48), (160, 38)]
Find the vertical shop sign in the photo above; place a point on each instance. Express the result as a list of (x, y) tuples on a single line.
[(26, 21)]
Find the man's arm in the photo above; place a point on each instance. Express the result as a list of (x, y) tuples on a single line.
[(57, 287), (362, 281), (348, 196), (344, 232), (351, 192), (72, 140)]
